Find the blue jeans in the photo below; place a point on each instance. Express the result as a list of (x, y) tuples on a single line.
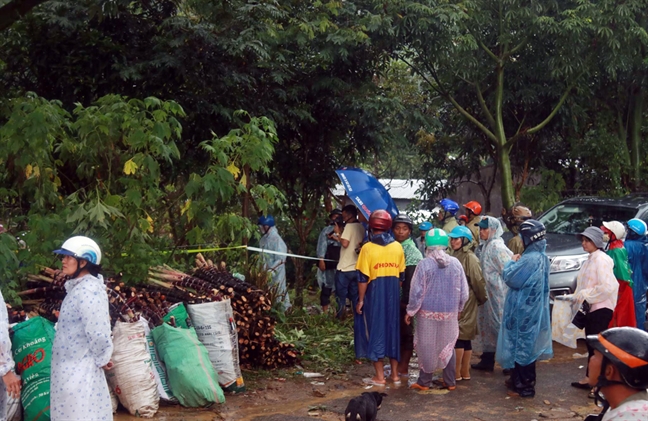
[(346, 286)]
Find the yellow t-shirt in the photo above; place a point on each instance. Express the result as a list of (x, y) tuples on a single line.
[(377, 261), (354, 232)]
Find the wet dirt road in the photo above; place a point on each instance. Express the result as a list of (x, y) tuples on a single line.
[(481, 398)]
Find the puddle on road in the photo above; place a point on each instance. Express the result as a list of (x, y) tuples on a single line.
[(300, 407), (173, 413)]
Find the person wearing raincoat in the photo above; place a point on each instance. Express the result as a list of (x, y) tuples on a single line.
[(424, 227), (447, 214), (494, 256), (596, 286), (326, 275), (275, 263), (624, 312), (82, 345), (438, 293), (637, 245), (473, 212), (525, 332), (518, 215), (380, 272), (460, 242)]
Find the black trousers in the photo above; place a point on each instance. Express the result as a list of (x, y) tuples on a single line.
[(596, 322), (325, 296), (523, 379)]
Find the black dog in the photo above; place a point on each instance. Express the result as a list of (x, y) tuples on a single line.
[(364, 407)]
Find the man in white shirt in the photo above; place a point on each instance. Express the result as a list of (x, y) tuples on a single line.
[(619, 373), (346, 282)]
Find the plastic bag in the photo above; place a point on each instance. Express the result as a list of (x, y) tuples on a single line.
[(215, 327), (562, 329), (192, 377), (132, 377), (14, 409), (32, 350)]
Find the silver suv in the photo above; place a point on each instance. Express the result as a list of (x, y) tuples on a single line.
[(571, 217)]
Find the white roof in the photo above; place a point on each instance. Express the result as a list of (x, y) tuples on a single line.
[(397, 188)]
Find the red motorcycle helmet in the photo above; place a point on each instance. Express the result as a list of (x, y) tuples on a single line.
[(474, 207), (380, 220)]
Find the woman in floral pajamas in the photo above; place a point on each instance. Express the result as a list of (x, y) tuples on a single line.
[(82, 345)]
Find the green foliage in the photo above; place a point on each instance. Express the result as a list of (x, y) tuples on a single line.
[(103, 171), (545, 194)]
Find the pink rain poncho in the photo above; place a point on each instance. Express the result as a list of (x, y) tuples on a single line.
[(438, 293), (493, 257)]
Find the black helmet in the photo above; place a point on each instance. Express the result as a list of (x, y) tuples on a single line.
[(403, 219), (532, 231), (627, 349), (336, 212)]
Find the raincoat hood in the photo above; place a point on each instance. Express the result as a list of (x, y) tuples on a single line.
[(439, 255), (495, 230), (537, 246)]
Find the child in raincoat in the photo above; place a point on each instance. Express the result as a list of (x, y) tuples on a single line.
[(82, 346)]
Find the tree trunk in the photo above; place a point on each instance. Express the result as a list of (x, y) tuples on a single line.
[(635, 120), (506, 177)]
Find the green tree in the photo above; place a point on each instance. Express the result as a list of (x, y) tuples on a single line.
[(495, 63)]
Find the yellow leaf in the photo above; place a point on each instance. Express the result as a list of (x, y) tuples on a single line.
[(130, 167), (233, 169), (36, 172), (28, 170), (185, 207), (243, 179), (150, 221)]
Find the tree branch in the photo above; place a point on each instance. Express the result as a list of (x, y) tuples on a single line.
[(15, 10), (553, 112), (482, 102), (517, 47)]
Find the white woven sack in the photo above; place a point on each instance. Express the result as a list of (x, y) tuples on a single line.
[(214, 326), (132, 376)]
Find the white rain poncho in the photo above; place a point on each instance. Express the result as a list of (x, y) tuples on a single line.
[(438, 293), (494, 255), (6, 357), (272, 241), (82, 346)]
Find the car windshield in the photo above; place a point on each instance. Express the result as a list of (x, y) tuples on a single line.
[(573, 218)]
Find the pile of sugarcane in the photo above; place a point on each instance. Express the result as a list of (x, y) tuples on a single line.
[(258, 346), (165, 287)]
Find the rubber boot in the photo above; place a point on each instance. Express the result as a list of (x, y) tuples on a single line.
[(487, 362)]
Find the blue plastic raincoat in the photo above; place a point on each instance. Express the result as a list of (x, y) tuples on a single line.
[(525, 332), (638, 261), (272, 241)]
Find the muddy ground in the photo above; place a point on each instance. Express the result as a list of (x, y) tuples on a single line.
[(289, 396)]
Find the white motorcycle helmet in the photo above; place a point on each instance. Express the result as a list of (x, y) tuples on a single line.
[(81, 247)]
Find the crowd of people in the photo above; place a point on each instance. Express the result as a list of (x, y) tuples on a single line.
[(439, 292)]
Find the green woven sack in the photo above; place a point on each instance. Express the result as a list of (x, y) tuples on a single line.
[(192, 378), (32, 351)]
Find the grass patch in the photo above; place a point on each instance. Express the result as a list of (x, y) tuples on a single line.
[(326, 343)]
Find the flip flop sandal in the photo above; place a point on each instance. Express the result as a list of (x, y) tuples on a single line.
[(417, 386), (372, 382)]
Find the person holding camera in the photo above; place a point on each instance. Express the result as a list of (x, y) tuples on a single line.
[(328, 251)]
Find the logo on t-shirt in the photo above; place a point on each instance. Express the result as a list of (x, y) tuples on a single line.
[(386, 265)]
